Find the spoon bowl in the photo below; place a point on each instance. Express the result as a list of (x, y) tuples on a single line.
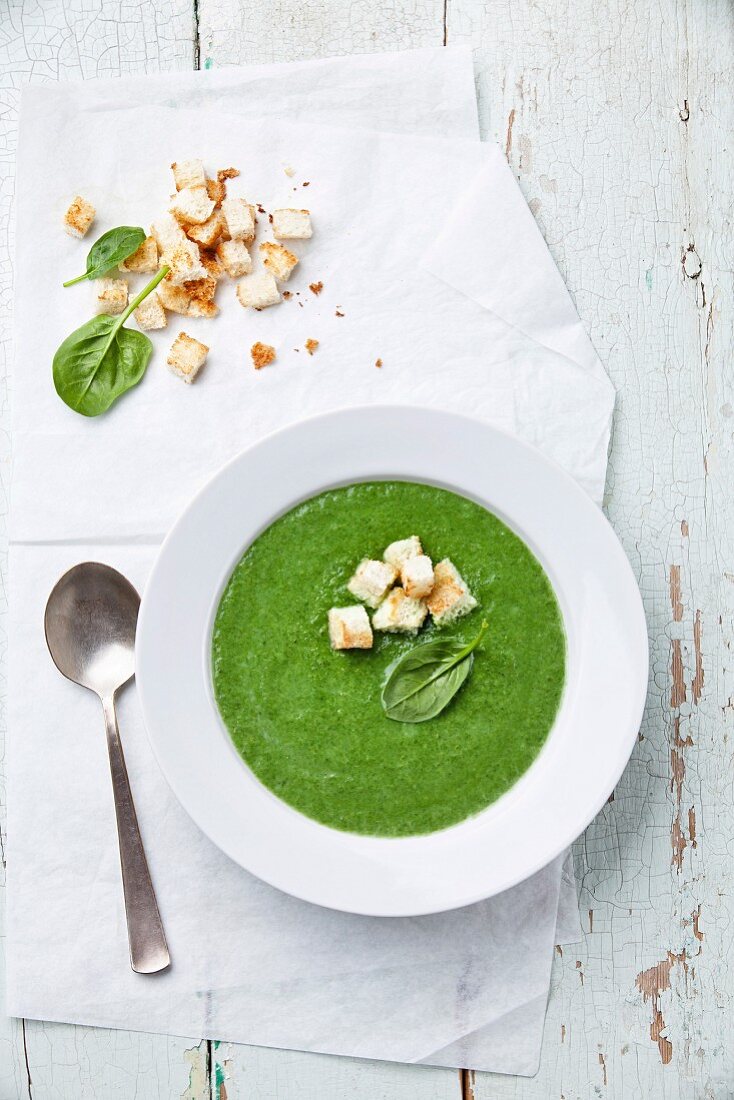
[(90, 622)]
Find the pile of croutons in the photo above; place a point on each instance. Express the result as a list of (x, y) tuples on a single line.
[(204, 237), (400, 608)]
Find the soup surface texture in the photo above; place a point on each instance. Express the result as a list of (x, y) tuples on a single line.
[(308, 720)]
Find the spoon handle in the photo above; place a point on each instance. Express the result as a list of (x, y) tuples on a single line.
[(148, 947)]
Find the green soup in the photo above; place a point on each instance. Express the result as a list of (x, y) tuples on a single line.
[(308, 720)]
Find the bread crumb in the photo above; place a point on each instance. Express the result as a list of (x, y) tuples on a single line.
[(227, 174), (311, 346), (78, 217), (378, 362), (289, 171), (262, 355), (316, 288), (217, 191), (306, 184), (287, 294), (339, 314)]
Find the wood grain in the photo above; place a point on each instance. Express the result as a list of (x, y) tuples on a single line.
[(615, 119)]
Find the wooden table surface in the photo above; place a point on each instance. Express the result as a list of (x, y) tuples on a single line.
[(617, 120)]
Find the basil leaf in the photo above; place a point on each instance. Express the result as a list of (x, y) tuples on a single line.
[(427, 678), (102, 360), (110, 250)]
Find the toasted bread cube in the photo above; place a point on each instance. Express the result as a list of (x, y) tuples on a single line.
[(187, 356), (235, 258), (258, 291), (292, 225), (205, 289), (372, 581), (192, 206), (150, 313), (212, 265), (400, 614), (200, 307), (262, 355), (417, 576), (177, 251), (173, 298), (79, 217), (450, 597), (144, 259), (240, 219), (209, 232), (349, 628), (188, 173), (111, 295), (398, 552), (278, 260)]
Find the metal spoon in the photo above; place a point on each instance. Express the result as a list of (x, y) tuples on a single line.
[(90, 623)]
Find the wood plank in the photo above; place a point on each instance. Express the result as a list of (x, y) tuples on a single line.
[(613, 119), (40, 43)]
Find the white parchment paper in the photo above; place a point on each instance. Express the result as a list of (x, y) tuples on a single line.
[(403, 229)]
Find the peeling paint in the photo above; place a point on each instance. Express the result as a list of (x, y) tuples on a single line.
[(198, 1059), (675, 593), (603, 1064), (508, 139), (651, 984), (698, 678), (678, 685)]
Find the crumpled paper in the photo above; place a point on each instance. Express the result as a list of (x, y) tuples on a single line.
[(427, 250)]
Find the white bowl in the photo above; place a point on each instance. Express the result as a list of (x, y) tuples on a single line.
[(586, 751)]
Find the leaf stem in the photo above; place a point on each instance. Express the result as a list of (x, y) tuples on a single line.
[(71, 282), (157, 278)]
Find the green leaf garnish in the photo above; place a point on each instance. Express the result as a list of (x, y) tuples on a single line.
[(427, 678), (101, 360), (111, 249)]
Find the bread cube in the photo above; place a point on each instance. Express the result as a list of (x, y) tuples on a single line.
[(278, 260), (192, 206), (173, 298), (144, 259), (79, 217), (188, 173), (177, 251), (200, 307), (400, 614), (204, 289), (372, 581), (417, 576), (111, 296), (258, 291), (240, 219), (207, 233), (292, 225), (217, 191), (212, 265), (187, 356), (262, 355), (349, 628), (398, 552), (450, 597), (150, 313), (235, 258)]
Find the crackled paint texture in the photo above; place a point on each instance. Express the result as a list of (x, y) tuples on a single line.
[(614, 119)]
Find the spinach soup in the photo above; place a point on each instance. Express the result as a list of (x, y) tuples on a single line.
[(308, 719)]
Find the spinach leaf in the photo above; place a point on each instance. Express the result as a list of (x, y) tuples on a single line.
[(101, 360), (110, 250), (427, 678)]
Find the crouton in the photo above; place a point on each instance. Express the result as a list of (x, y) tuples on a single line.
[(450, 597), (212, 265), (292, 225), (262, 355), (200, 307), (349, 628), (417, 576), (217, 191), (400, 614), (398, 552), (209, 232), (311, 345), (187, 356), (372, 581), (235, 258), (177, 251), (79, 217), (144, 259), (111, 295), (240, 219), (150, 313), (188, 173), (173, 298), (258, 291), (227, 174), (204, 289), (192, 206), (278, 260)]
